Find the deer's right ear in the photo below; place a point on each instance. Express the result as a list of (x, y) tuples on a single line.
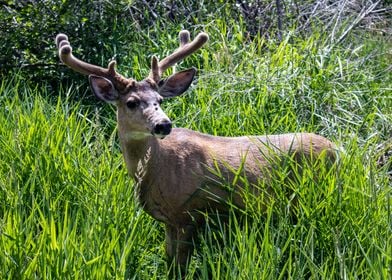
[(103, 88), (177, 83)]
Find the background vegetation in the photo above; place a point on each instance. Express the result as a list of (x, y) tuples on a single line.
[(66, 203)]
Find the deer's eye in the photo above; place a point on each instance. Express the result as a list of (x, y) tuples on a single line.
[(132, 104)]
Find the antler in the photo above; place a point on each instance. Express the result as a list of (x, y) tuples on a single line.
[(186, 48), (66, 56)]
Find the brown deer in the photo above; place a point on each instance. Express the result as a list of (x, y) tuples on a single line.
[(179, 172)]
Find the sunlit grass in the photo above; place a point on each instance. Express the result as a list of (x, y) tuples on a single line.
[(67, 209)]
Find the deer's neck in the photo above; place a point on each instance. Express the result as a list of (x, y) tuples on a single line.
[(138, 151)]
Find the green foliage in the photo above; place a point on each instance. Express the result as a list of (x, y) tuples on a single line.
[(99, 30), (66, 201), (131, 31), (67, 208)]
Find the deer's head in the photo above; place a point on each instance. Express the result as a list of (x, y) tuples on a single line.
[(138, 103)]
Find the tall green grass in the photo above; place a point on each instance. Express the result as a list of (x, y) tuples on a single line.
[(67, 209)]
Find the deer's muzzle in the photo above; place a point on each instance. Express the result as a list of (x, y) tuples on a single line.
[(162, 129)]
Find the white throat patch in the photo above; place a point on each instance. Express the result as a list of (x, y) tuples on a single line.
[(136, 135)]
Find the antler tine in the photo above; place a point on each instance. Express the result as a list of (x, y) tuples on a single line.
[(184, 37), (186, 48), (66, 56)]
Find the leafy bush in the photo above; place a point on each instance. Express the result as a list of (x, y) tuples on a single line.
[(102, 30)]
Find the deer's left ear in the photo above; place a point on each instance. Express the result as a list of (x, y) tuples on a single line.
[(103, 88), (177, 83)]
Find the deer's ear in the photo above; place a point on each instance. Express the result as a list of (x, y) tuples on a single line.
[(103, 88), (177, 83)]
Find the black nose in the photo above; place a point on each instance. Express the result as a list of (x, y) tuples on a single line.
[(163, 128)]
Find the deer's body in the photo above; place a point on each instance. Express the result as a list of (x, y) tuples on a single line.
[(177, 176), (180, 173), (173, 173)]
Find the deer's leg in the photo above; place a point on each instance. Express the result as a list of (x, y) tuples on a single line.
[(171, 235), (179, 247)]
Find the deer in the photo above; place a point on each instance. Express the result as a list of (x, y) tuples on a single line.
[(178, 172)]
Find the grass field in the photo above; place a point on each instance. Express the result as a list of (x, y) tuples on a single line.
[(67, 209)]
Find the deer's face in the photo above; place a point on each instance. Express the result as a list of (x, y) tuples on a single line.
[(139, 111), (138, 103)]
